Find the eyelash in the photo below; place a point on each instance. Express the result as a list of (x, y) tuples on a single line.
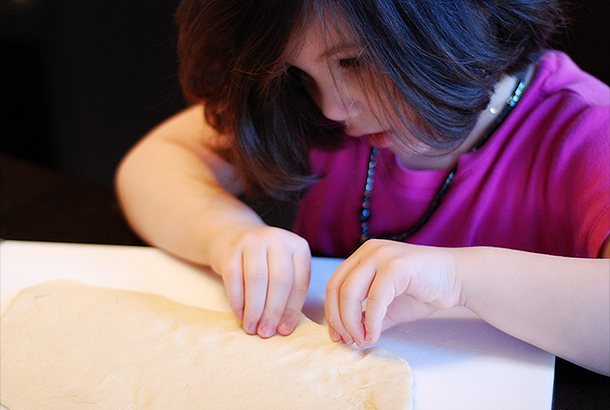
[(353, 62)]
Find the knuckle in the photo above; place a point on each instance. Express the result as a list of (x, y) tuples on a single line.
[(272, 315), (282, 279), (272, 234), (301, 242), (331, 285), (393, 263), (230, 275), (248, 237), (374, 301), (301, 288), (256, 276), (371, 245), (346, 293)]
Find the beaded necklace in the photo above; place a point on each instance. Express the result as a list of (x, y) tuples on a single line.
[(365, 211)]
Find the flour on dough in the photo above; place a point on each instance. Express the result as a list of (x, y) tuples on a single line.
[(70, 346)]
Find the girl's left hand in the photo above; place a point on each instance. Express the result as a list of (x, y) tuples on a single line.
[(397, 281)]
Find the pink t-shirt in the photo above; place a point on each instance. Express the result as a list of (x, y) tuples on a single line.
[(540, 184)]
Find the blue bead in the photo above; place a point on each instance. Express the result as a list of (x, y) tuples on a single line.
[(365, 215)]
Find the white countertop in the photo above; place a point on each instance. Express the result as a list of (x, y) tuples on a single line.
[(458, 360)]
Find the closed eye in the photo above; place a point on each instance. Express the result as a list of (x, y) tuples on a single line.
[(353, 62)]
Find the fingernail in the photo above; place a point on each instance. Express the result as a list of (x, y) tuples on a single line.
[(266, 331), (334, 336), (286, 327), (239, 314), (250, 328)]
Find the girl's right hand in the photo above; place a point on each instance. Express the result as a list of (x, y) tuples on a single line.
[(266, 274)]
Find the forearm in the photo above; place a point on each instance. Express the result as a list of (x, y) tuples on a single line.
[(173, 199), (558, 304), (181, 197)]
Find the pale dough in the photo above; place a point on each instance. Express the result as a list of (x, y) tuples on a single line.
[(66, 346)]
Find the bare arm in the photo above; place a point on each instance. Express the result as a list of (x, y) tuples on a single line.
[(172, 188), (561, 305), (179, 196)]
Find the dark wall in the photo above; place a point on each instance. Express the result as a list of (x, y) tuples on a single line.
[(83, 80), (587, 37)]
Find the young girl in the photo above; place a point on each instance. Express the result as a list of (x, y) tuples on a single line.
[(438, 146)]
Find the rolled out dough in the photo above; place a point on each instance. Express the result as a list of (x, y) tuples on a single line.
[(66, 346)]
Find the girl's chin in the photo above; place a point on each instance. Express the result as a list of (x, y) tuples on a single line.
[(378, 140)]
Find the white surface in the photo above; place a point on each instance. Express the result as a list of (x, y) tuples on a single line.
[(458, 361)]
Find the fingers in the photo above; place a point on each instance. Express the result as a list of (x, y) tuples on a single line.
[(232, 276), (381, 295), (398, 282), (358, 296), (282, 281), (267, 278), (266, 281), (353, 284), (289, 274), (298, 293), (343, 305), (255, 286)]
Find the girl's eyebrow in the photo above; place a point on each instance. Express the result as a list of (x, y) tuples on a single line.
[(343, 47)]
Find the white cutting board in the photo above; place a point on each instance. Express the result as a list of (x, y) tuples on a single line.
[(458, 361)]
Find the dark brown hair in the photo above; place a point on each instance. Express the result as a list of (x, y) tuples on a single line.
[(440, 58)]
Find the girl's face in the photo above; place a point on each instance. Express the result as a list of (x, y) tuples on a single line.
[(337, 82), (334, 78)]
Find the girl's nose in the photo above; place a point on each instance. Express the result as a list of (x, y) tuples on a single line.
[(337, 105)]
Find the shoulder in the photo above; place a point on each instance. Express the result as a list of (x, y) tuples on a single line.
[(567, 122), (564, 108), (556, 74), (563, 116)]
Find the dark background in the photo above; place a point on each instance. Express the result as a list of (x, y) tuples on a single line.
[(83, 80)]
